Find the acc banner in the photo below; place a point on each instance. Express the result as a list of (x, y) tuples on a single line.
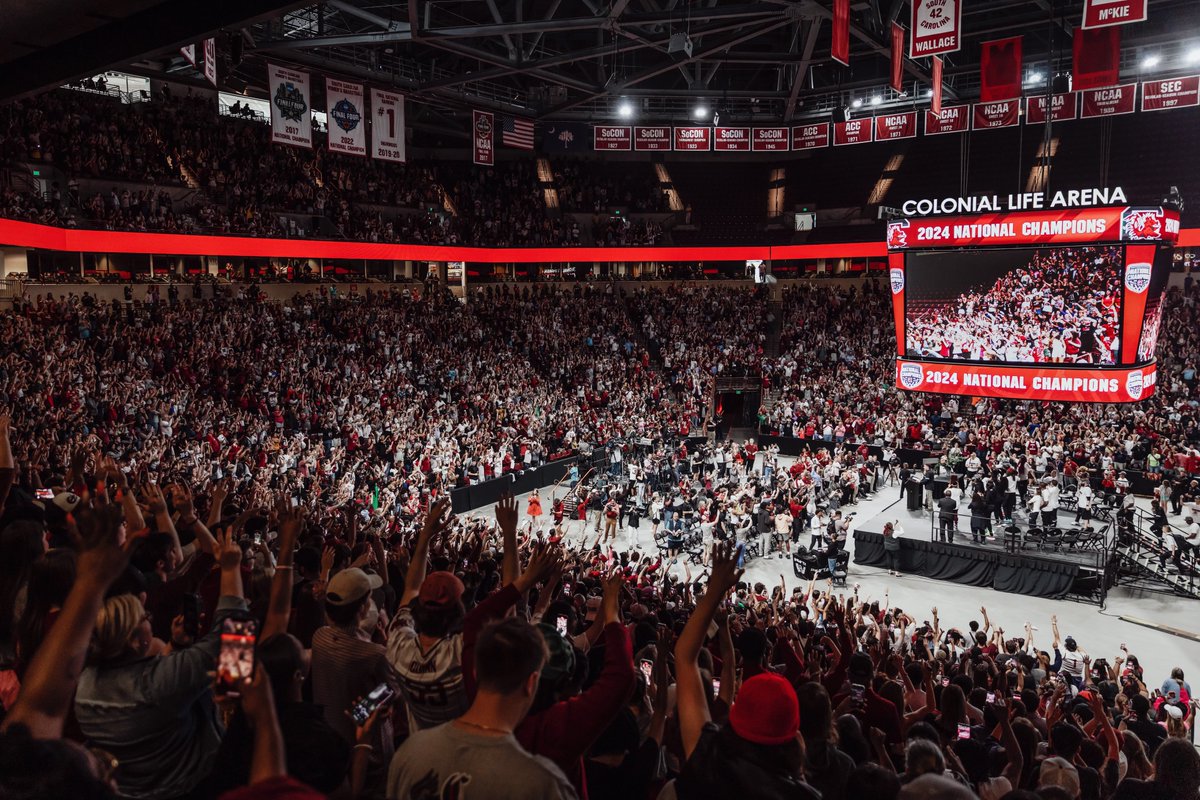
[(952, 119), (1101, 13), (985, 116), (344, 110), (1109, 102), (855, 131), (936, 27), (210, 60), (693, 139), (291, 114), (388, 127), (1062, 107), (896, 126), (610, 138), (1173, 93), (810, 137), (483, 128), (1077, 385), (768, 140), (651, 138), (735, 139)]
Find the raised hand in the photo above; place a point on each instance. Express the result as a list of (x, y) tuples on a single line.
[(98, 533), (506, 512), (229, 552), (436, 522), (725, 573)]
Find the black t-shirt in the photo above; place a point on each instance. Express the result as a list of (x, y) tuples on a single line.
[(713, 772), (1134, 789), (1151, 733)]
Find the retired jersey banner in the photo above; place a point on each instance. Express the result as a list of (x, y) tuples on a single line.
[(1173, 93), (387, 127), (1109, 102), (1095, 58), (210, 60), (291, 113), (952, 119), (1000, 70), (855, 131), (986, 116), (483, 136), (769, 140), (840, 47), (344, 113), (608, 137), (693, 139), (809, 137), (735, 139), (652, 138), (1102, 13), (1074, 385), (936, 27), (1062, 107), (895, 126)]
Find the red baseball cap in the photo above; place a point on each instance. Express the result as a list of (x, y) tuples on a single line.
[(766, 710), (440, 589)]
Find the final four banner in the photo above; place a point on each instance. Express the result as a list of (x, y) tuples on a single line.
[(291, 111), (387, 127), (347, 123), (483, 134)]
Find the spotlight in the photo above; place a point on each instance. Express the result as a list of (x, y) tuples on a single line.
[(876, 100), (625, 109), (1151, 60), (1193, 56), (699, 112), (929, 92), (1035, 77), (856, 103)]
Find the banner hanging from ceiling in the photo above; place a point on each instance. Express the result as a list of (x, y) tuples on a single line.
[(344, 115), (1103, 13), (291, 109), (387, 125), (483, 135), (936, 28)]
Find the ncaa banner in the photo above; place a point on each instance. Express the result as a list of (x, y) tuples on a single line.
[(1102, 13), (344, 112), (692, 139), (936, 28), (611, 138), (988, 116), (483, 136), (731, 139), (855, 131), (768, 140), (387, 126), (1173, 93), (951, 119), (1061, 384), (1062, 107), (651, 139), (896, 126), (810, 137), (210, 60), (1109, 102), (291, 113)]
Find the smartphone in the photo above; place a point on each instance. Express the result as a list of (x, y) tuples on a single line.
[(257, 538), (858, 692), (235, 662), (647, 668), (566, 588), (362, 710), (964, 731), (44, 494), (716, 686), (991, 698), (560, 625), (191, 614)]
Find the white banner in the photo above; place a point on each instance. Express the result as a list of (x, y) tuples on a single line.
[(291, 114), (189, 52), (210, 60), (344, 110), (387, 125)]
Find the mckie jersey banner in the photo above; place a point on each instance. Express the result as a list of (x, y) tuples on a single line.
[(1028, 383), (291, 109), (347, 126)]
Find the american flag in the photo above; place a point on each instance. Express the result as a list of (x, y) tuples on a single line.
[(516, 131)]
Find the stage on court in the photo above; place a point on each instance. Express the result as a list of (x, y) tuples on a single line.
[(1012, 562)]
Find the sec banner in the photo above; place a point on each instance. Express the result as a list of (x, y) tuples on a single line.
[(291, 114), (651, 138), (483, 134), (1173, 93), (693, 139), (768, 140), (344, 112), (1112, 385), (1102, 13), (731, 139), (936, 27), (988, 116), (1063, 107), (896, 126), (612, 138), (387, 128), (810, 137), (951, 119), (1110, 101), (855, 131)]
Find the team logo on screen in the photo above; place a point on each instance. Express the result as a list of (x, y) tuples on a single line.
[(346, 115), (897, 235), (1133, 385), (897, 280), (911, 375), (1144, 224), (1137, 277)]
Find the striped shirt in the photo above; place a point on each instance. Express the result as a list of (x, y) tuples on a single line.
[(431, 680)]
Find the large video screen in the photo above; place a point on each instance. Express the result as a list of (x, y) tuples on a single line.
[(1045, 305)]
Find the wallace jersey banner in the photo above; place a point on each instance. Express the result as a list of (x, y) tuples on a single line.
[(344, 112), (483, 136), (1108, 102), (1063, 107), (810, 137), (936, 27), (952, 119), (896, 126), (291, 111), (1111, 385), (1101, 13), (986, 116), (387, 125)]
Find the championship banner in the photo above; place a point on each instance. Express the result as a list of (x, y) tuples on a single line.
[(344, 112), (987, 116), (1000, 70), (210, 60), (936, 28), (612, 138), (651, 138), (1060, 226), (693, 139), (1059, 384), (1102, 13), (731, 139), (936, 102), (188, 51), (291, 114), (483, 136), (1109, 102), (810, 137), (840, 47), (897, 82), (388, 127), (855, 131), (952, 119), (896, 126), (1173, 93), (769, 140), (1062, 107)]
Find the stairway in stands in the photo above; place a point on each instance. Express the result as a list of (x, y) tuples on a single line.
[(1138, 557)]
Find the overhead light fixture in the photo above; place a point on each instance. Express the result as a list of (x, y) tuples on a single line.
[(1151, 60), (1193, 56), (929, 92), (876, 100), (699, 112), (1035, 77), (856, 103), (625, 109)]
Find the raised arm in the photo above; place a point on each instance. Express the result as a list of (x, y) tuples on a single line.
[(279, 607), (506, 519), (435, 523)]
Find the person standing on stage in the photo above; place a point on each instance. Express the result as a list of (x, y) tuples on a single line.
[(947, 514), (612, 511), (1050, 505)]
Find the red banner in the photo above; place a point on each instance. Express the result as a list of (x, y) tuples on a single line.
[(1059, 226), (651, 138), (1102, 13), (1109, 102), (896, 126), (1062, 107), (769, 140), (986, 116), (1000, 70), (810, 137), (840, 48), (936, 104), (1061, 384), (855, 131), (612, 138), (1096, 58), (736, 139), (936, 27), (1173, 93), (897, 57), (952, 119), (693, 139), (483, 127), (210, 60), (896, 281)]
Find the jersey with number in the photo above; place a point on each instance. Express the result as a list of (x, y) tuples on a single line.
[(431, 680)]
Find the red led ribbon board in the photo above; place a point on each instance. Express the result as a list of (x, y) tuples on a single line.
[(1112, 385), (1064, 226), (1109, 102), (769, 140), (809, 137), (1169, 94)]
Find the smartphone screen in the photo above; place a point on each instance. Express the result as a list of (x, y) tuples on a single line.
[(560, 625), (964, 731), (235, 662), (716, 686), (858, 692), (258, 538), (991, 698), (45, 494), (361, 711), (647, 668)]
